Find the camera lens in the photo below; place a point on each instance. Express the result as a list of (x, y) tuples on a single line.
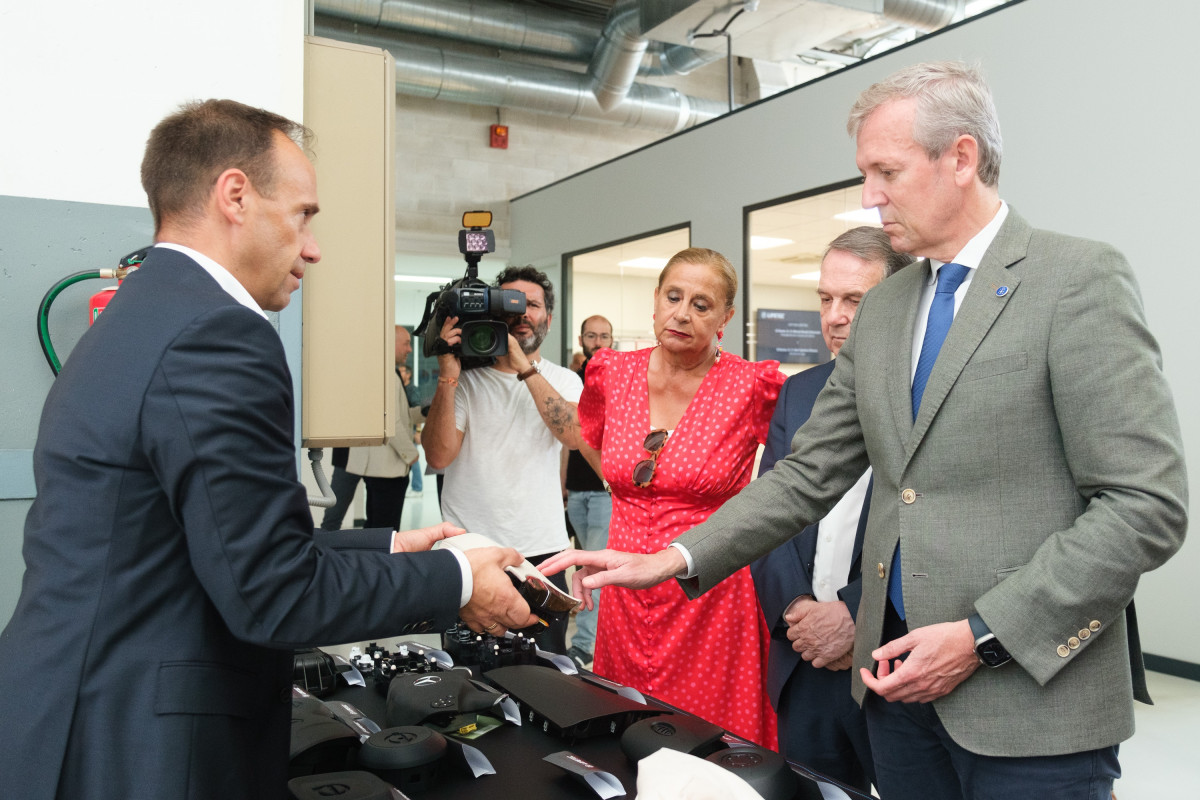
[(481, 339)]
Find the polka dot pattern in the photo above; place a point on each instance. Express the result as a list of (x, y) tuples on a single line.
[(707, 656)]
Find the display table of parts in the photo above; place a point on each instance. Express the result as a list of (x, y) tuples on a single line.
[(501, 717)]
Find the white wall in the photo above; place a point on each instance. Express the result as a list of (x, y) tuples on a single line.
[(81, 85), (85, 82), (1098, 144)]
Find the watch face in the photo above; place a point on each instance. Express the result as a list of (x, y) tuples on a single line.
[(992, 653)]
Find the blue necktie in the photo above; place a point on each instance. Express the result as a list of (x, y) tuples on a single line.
[(941, 314)]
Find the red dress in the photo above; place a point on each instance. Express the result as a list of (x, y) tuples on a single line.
[(707, 656)]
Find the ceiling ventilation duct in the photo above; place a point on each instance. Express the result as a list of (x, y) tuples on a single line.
[(615, 53), (925, 15), (619, 55), (433, 72), (505, 25)]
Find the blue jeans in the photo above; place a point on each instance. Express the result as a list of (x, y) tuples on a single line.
[(414, 473), (590, 513)]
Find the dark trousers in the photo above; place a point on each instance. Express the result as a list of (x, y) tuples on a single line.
[(915, 758), (822, 727), (385, 500)]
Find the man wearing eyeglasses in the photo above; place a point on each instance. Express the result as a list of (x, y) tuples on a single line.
[(589, 505)]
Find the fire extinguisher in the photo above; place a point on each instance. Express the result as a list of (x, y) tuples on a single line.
[(98, 303)]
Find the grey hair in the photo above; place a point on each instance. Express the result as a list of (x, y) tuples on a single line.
[(871, 245), (952, 100)]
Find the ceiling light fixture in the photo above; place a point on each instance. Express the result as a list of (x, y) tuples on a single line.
[(863, 216), (807, 276), (767, 242)]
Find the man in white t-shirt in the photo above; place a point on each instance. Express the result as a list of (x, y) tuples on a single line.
[(498, 432)]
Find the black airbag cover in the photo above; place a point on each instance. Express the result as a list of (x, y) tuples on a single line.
[(686, 734), (435, 697)]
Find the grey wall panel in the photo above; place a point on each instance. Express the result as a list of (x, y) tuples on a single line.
[(1096, 145), (12, 567), (42, 241)]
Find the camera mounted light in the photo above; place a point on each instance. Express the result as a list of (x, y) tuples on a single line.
[(478, 239), (483, 311)]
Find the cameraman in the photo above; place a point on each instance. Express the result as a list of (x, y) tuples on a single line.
[(498, 433)]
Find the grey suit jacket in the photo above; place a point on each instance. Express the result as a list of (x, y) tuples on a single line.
[(1042, 477)]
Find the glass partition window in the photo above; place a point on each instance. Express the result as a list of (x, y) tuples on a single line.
[(787, 241), (617, 281)]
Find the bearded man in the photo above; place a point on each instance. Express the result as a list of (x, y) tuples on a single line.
[(498, 432)]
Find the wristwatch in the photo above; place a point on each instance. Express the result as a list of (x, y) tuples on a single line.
[(534, 369), (987, 647)]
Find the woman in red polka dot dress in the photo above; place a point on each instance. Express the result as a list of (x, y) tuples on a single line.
[(678, 426)]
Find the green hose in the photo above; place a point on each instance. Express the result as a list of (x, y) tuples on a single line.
[(125, 266), (43, 320)]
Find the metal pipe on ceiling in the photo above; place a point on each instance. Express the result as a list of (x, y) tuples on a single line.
[(615, 54), (506, 25), (436, 73), (924, 15), (615, 64), (509, 26)]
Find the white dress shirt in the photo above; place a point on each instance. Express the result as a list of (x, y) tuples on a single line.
[(835, 542), (969, 257)]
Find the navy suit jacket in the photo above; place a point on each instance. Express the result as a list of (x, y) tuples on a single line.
[(171, 567), (787, 571)]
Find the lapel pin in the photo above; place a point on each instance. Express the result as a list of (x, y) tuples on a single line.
[(1003, 290)]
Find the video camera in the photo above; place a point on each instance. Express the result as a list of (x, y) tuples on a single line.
[(483, 311)]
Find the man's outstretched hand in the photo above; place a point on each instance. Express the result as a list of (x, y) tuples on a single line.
[(596, 568)]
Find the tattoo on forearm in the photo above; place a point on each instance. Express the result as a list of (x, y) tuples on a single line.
[(560, 416)]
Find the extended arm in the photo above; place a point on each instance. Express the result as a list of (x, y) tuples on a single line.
[(217, 428)]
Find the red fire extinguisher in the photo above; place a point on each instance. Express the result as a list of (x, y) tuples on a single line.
[(100, 301)]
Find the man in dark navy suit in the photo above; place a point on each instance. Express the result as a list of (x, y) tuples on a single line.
[(171, 565), (809, 587)]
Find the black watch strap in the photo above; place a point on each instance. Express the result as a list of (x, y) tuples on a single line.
[(987, 647)]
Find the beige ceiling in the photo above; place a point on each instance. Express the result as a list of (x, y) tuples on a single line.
[(811, 224)]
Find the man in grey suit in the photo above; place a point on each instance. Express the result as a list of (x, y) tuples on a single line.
[(1028, 470), (171, 566)]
